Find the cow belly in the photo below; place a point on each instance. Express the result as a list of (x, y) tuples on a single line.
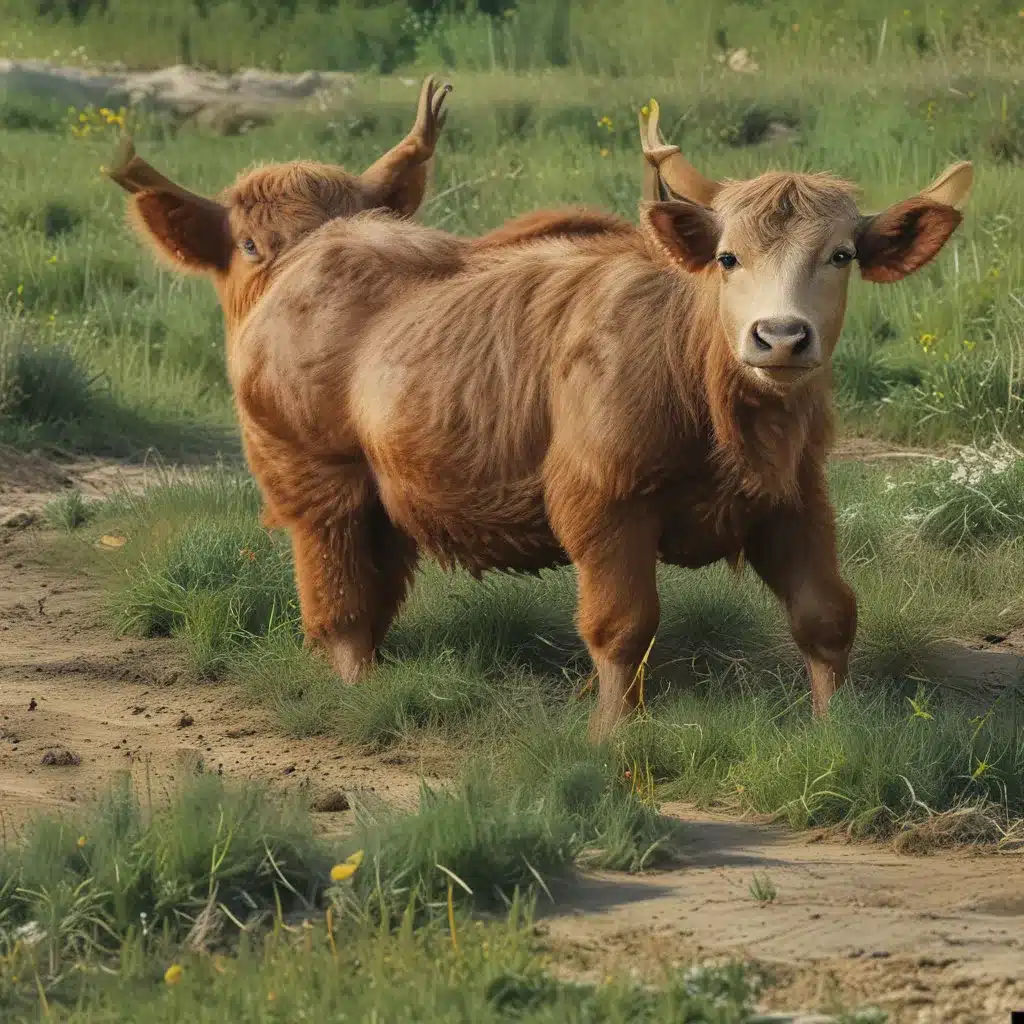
[(705, 531), (489, 527)]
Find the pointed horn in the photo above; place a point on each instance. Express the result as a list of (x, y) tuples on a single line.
[(134, 175), (953, 186), (674, 173), (418, 146), (653, 188)]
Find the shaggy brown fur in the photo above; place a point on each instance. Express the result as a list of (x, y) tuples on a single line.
[(572, 221), (558, 394)]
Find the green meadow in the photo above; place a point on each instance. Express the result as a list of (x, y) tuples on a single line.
[(102, 352)]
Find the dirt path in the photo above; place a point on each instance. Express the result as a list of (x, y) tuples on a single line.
[(28, 481), (934, 938), (73, 693)]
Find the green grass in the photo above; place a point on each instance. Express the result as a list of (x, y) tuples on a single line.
[(68, 512), (494, 976), (598, 37), (496, 666), (232, 890), (933, 359)]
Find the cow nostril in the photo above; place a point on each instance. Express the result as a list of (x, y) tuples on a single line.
[(759, 342), (803, 344)]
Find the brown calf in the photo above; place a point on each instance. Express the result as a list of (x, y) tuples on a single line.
[(606, 397)]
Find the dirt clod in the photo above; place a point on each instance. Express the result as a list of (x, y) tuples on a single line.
[(20, 520), (185, 721), (330, 803), (61, 757)]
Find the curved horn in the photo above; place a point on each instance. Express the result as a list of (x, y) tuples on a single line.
[(671, 170), (952, 186), (133, 174), (418, 146)]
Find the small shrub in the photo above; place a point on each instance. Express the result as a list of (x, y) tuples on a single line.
[(763, 889), (26, 114), (40, 381), (975, 500)]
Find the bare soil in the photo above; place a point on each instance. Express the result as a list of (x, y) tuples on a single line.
[(934, 938), (78, 704)]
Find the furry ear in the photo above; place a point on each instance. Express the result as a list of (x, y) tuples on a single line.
[(687, 233), (952, 186), (903, 238), (190, 231)]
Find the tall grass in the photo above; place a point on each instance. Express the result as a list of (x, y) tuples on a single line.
[(596, 36), (129, 885)]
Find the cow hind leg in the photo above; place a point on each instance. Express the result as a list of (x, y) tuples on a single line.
[(394, 556), (352, 572)]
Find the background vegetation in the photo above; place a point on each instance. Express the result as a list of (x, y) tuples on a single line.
[(885, 97)]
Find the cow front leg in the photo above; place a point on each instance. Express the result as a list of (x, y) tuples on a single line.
[(334, 578), (618, 612), (796, 557)]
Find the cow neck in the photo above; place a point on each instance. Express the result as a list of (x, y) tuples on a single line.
[(759, 439)]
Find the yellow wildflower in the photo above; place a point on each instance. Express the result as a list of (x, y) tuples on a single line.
[(82, 841), (173, 974), (603, 151), (345, 870)]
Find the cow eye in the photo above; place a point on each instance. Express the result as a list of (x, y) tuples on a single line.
[(727, 260), (249, 247), (840, 257)]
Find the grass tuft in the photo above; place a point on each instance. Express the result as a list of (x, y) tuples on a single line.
[(69, 511)]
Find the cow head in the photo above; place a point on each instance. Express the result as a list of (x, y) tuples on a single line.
[(239, 238), (782, 246)]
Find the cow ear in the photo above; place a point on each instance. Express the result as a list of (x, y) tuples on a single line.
[(192, 232), (685, 232), (903, 238)]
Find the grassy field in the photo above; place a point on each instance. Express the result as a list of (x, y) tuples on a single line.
[(102, 352), (136, 353)]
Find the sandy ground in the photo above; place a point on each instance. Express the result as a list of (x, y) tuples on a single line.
[(930, 938), (936, 938)]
